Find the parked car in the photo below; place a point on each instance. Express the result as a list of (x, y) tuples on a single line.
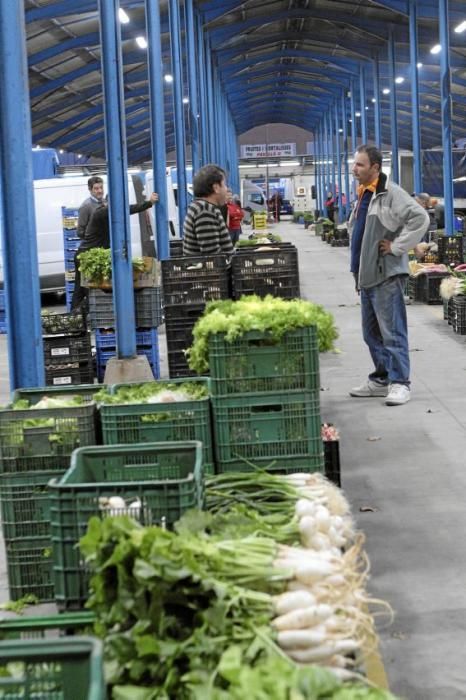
[(287, 207)]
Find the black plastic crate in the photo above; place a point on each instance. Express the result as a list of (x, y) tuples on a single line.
[(64, 349), (148, 308), (450, 250), (179, 335), (195, 280), (266, 272), (458, 316), (63, 324), (430, 287), (69, 374), (332, 461), (415, 288), (177, 365)]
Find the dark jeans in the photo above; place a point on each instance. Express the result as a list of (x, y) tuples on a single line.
[(234, 234), (385, 330), (79, 293)]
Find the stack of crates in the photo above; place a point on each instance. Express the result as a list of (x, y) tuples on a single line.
[(147, 343), (156, 482), (266, 401), (259, 220), (35, 446), (450, 250), (274, 271), (458, 314), (188, 284), (67, 350), (2, 312), (70, 245)]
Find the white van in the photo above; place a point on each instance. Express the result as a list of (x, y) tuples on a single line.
[(252, 199), (49, 198), (172, 195)]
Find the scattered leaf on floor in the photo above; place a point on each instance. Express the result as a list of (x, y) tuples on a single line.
[(325, 388), (367, 509), (374, 438), (399, 635)]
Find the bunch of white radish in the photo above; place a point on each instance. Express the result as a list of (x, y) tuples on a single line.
[(322, 617), (116, 505)]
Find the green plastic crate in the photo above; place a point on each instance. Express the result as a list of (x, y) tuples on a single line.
[(257, 363), (46, 626), (167, 478), (66, 669), (25, 508), (162, 422), (29, 568), (47, 447), (262, 429)]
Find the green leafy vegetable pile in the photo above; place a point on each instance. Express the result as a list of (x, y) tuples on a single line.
[(272, 314), (257, 239), (154, 392), (96, 265)]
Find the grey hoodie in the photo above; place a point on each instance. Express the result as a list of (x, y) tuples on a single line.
[(396, 216)]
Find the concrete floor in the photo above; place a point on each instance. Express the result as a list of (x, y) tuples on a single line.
[(412, 477)]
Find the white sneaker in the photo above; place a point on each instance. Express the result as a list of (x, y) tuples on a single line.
[(398, 395), (370, 388)]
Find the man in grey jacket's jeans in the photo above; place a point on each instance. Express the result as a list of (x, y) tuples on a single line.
[(385, 223)]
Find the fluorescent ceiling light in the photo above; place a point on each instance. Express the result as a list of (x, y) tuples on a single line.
[(357, 114), (461, 27), (290, 163), (386, 91), (185, 100), (141, 42), (399, 80), (436, 49), (247, 166), (61, 150), (459, 179), (340, 131), (374, 100), (419, 65), (168, 78), (122, 16), (134, 171), (79, 155), (366, 107)]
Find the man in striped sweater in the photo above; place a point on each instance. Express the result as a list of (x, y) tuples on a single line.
[(204, 229)]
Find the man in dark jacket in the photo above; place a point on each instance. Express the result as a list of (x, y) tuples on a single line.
[(97, 235)]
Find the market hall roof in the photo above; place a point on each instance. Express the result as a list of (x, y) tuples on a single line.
[(282, 61)]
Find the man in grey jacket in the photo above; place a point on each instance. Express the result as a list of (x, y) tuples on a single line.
[(385, 223), (95, 200)]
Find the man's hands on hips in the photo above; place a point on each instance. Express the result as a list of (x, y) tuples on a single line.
[(385, 247)]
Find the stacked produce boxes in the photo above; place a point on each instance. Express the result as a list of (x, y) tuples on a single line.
[(266, 401), (188, 284), (271, 271), (2, 312), (147, 343), (70, 246), (35, 446), (67, 350), (154, 483)]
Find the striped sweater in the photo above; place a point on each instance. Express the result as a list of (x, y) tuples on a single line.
[(205, 231)]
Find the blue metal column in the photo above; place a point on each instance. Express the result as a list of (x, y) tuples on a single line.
[(354, 131), (416, 126), (202, 93), (326, 160), (333, 165), (377, 110), (17, 216), (354, 126), (345, 150), (193, 72), (362, 102), (178, 108), (115, 146), (157, 114), (395, 174), (316, 151), (445, 93), (212, 156), (341, 210), (321, 167)]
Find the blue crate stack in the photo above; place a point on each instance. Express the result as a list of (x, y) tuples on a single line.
[(2, 312), (70, 246), (147, 343)]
